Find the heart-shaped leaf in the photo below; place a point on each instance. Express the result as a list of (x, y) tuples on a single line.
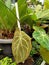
[(41, 37), (21, 46)]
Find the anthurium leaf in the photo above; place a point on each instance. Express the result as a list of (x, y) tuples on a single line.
[(7, 18), (21, 46), (41, 37)]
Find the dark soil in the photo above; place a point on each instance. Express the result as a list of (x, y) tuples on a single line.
[(29, 61), (4, 34)]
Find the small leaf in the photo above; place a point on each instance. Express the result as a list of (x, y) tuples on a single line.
[(21, 46), (41, 37)]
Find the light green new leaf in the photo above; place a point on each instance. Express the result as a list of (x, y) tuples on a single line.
[(21, 46), (41, 37), (42, 14), (8, 3)]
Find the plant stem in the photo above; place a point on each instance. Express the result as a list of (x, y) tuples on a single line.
[(43, 63), (17, 14)]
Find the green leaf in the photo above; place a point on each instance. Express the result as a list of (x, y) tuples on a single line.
[(41, 37), (34, 1), (7, 61), (7, 18), (45, 54), (46, 4), (28, 19), (42, 14), (8, 3), (22, 7), (25, 13), (21, 46), (35, 48)]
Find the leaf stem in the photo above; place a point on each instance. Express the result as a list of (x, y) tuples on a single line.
[(17, 14)]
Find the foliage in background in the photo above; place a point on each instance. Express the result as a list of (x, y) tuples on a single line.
[(46, 4), (23, 12), (33, 16), (7, 18), (7, 61), (35, 48), (27, 15), (41, 37), (8, 3)]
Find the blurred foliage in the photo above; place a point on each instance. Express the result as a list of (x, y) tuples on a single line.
[(8, 3), (35, 15), (45, 54), (7, 61), (27, 14), (35, 48), (7, 18), (46, 4)]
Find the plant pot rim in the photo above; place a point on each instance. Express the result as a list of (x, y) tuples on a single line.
[(6, 41)]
